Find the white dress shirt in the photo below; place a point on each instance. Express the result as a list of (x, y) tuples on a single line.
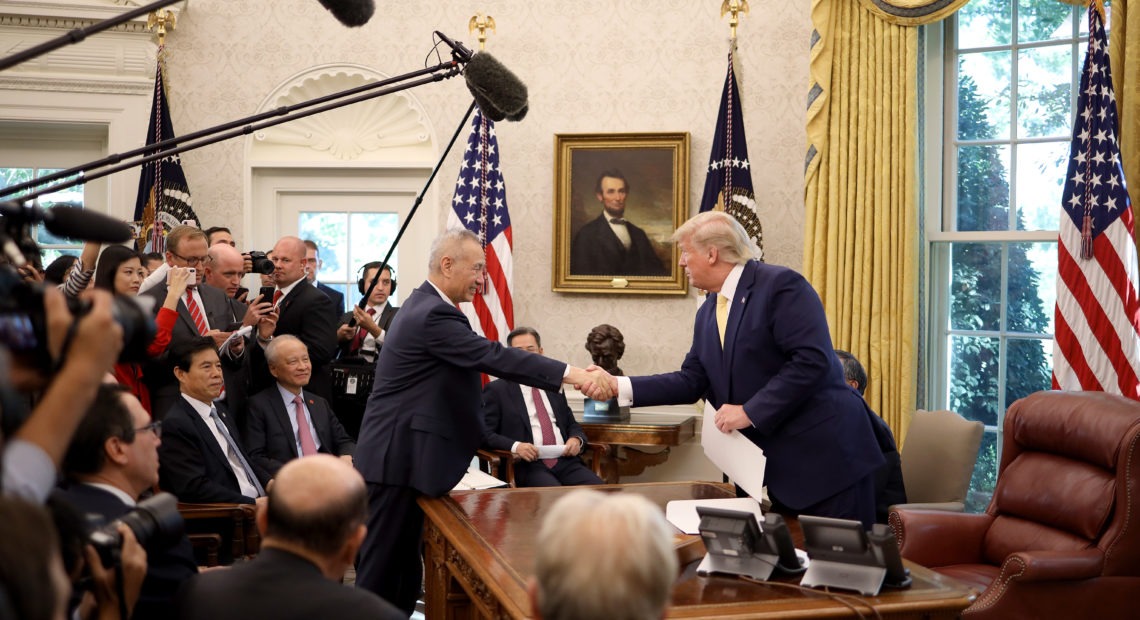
[(203, 410), (291, 409), (532, 413)]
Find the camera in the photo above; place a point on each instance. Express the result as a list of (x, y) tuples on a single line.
[(23, 326), (261, 263), (156, 524)]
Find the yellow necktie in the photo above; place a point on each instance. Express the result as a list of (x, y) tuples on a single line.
[(721, 316)]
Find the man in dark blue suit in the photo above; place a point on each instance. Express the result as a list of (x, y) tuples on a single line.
[(111, 462), (201, 458), (286, 421), (767, 365), (514, 415), (422, 423), (313, 264)]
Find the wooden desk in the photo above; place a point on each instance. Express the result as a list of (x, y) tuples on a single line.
[(480, 548), (643, 430)]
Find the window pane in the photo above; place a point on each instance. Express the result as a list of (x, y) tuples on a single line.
[(1040, 177), (1031, 294), (1029, 367), (975, 289), (1043, 21), (983, 188), (974, 378), (70, 197), (371, 236), (983, 95), (1044, 87), (983, 23), (985, 474), (15, 176), (329, 231)]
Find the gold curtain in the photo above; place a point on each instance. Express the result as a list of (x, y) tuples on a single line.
[(1124, 50), (861, 203)]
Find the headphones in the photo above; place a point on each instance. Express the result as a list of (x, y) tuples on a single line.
[(362, 283)]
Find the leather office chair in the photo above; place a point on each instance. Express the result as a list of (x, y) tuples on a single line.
[(501, 463), (1061, 537), (938, 457)]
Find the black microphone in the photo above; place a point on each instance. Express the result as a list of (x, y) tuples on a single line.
[(71, 222), (462, 54), (351, 13), (499, 93)]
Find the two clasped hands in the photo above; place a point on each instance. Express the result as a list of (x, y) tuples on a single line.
[(601, 385)]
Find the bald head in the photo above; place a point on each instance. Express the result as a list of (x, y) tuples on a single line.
[(224, 268), (317, 502), (288, 261)]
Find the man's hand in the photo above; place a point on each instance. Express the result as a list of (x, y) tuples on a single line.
[(133, 559), (219, 337), (573, 447), (527, 451), (98, 338), (255, 311), (365, 321), (344, 333), (598, 385), (731, 418), (267, 324)]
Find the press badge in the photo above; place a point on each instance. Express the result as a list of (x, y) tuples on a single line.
[(350, 387)]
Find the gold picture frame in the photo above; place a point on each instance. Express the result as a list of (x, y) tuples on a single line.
[(654, 170)]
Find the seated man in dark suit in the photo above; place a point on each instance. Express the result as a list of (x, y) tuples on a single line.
[(514, 415), (201, 459), (889, 489), (285, 421), (111, 462), (311, 528), (367, 336)]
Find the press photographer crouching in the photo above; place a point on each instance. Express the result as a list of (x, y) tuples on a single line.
[(112, 463)]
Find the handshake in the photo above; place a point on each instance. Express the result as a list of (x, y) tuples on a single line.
[(593, 381)]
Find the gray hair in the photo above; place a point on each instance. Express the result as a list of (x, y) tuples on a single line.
[(720, 230), (271, 352), (604, 556), (447, 244)]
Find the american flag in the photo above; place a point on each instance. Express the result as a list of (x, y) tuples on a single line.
[(163, 199), (1097, 343), (480, 205), (730, 173)]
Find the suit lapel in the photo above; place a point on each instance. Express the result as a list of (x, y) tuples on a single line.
[(324, 433), (207, 436), (286, 424), (736, 316)]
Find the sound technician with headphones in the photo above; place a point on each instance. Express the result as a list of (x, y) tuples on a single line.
[(364, 340)]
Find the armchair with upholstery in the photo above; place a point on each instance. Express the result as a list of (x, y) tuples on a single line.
[(501, 463), (1061, 537), (938, 457)]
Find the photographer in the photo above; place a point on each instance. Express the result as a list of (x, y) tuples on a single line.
[(84, 349), (110, 464), (33, 577)]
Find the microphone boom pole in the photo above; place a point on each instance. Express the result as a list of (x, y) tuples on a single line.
[(79, 34), (206, 137), (282, 111)]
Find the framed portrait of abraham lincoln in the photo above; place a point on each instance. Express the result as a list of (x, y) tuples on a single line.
[(618, 197)]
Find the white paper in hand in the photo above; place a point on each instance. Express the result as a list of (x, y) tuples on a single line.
[(740, 459), (550, 452)]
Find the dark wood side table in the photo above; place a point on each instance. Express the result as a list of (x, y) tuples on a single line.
[(644, 430)]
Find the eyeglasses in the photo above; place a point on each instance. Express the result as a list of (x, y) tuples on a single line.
[(189, 260), (154, 427)]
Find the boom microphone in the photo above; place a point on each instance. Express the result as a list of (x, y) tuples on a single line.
[(351, 13), (499, 93), (71, 222)]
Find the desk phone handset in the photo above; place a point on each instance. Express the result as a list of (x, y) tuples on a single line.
[(778, 542), (886, 548), (845, 555), (736, 545)]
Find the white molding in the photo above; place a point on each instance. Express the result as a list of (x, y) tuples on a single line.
[(71, 14), (76, 85)]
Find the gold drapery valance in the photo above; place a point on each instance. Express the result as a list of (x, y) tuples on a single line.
[(912, 12)]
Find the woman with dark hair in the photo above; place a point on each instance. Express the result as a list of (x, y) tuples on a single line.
[(58, 269), (120, 271)]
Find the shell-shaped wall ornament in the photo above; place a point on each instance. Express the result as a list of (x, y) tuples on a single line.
[(348, 132)]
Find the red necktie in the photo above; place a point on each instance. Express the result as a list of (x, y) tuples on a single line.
[(308, 446), (361, 333), (544, 424), (276, 297), (196, 314)]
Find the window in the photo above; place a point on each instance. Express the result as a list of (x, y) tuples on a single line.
[(347, 241), (50, 245), (997, 150)]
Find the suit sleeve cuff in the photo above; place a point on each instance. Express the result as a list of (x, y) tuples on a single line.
[(625, 392)]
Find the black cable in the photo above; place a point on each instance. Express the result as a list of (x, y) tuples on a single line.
[(825, 594)]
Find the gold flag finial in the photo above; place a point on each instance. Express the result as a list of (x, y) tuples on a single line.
[(482, 23), (736, 8), (159, 22)]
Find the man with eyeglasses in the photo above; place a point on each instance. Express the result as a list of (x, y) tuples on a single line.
[(111, 463), (203, 311)]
